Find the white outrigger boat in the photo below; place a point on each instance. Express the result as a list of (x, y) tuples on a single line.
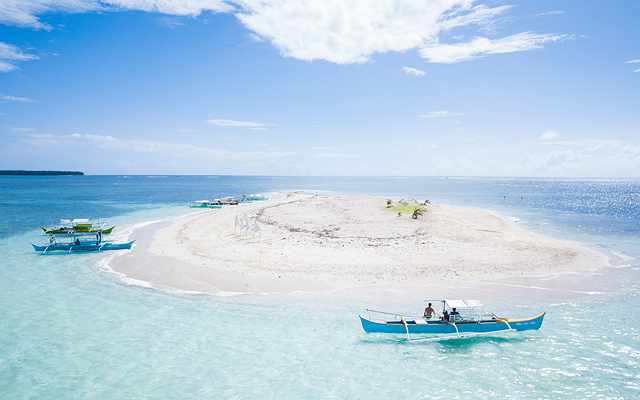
[(459, 319), (79, 242)]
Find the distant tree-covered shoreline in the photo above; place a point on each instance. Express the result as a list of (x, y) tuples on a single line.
[(8, 172)]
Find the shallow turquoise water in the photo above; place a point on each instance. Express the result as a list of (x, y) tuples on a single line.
[(71, 329)]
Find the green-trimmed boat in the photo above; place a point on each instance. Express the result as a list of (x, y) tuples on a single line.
[(75, 242), (65, 226)]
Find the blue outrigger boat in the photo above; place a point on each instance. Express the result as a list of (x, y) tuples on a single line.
[(79, 242), (459, 319)]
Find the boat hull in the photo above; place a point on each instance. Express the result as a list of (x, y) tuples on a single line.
[(439, 327), (73, 248)]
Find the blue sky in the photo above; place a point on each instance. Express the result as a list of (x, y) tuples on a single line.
[(301, 87)]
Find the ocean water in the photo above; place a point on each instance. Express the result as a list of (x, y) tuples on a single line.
[(71, 328)]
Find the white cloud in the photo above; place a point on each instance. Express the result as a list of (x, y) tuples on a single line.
[(339, 31), (480, 47), (170, 23), (9, 54), (549, 135), (413, 71), (16, 129), (549, 13), (146, 146), (237, 124), (442, 165), (333, 155), (633, 62), (24, 13), (437, 114), (17, 99), (428, 145), (628, 156), (594, 147), (492, 163), (587, 143), (557, 160), (624, 162), (351, 31)]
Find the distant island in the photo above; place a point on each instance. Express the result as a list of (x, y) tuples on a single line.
[(10, 172)]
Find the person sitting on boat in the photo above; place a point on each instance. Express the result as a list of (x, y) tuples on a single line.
[(446, 315), (454, 316), (429, 312), (77, 241)]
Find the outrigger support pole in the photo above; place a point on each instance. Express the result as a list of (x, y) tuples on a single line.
[(458, 335)]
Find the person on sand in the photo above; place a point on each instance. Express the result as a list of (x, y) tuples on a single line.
[(428, 312)]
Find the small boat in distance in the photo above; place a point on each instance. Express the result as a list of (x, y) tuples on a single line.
[(79, 242), (76, 225), (459, 319), (205, 204), (227, 201), (254, 197)]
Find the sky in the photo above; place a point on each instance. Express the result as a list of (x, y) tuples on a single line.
[(321, 88)]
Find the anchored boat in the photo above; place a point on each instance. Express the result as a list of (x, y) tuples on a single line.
[(459, 319), (72, 242), (205, 204), (254, 197)]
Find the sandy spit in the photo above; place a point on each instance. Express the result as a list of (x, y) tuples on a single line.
[(318, 243)]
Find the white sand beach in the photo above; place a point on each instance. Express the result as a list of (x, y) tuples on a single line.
[(317, 243)]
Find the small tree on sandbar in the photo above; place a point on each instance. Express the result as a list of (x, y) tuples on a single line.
[(418, 211)]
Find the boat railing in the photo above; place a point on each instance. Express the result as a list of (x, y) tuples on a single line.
[(395, 315)]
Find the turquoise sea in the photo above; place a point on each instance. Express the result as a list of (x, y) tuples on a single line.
[(70, 328)]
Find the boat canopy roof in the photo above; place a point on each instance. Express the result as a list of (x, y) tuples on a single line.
[(466, 307), (74, 221), (463, 303)]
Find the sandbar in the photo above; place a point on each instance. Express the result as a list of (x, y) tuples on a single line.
[(313, 243)]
